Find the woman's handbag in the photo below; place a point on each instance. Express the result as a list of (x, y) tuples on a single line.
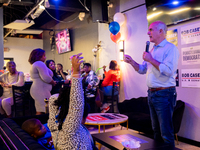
[(99, 97)]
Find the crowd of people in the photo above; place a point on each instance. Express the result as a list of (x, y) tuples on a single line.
[(68, 108), (48, 79)]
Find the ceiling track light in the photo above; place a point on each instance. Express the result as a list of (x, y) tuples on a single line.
[(38, 12), (81, 16), (39, 9), (46, 4)]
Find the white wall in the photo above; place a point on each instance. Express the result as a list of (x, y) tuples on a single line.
[(83, 36), (20, 49), (132, 84), (190, 126)]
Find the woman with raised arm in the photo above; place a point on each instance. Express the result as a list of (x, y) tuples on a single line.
[(42, 79), (67, 114)]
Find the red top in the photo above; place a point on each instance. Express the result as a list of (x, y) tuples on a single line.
[(110, 77)]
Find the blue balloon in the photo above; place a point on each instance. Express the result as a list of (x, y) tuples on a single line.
[(114, 27)]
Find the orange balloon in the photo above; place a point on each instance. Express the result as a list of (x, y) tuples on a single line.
[(115, 38)]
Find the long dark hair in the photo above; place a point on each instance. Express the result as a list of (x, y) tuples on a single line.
[(47, 64), (35, 55), (62, 104)]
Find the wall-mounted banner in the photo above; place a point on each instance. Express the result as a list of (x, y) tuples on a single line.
[(190, 55), (190, 78), (190, 34), (172, 36)]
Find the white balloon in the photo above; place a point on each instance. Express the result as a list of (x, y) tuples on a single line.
[(119, 17), (124, 32)]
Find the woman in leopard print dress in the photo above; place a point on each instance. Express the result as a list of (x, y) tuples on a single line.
[(66, 126)]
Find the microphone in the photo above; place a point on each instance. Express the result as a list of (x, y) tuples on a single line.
[(147, 46)]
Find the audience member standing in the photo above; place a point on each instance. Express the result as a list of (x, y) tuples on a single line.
[(67, 115), (12, 77), (42, 79), (160, 64)]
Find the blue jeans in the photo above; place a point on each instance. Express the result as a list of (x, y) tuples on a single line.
[(107, 91), (161, 105)]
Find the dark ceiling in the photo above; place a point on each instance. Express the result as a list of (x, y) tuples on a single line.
[(59, 9), (152, 2)]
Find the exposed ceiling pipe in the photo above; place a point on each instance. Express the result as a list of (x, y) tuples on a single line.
[(8, 33), (7, 3), (30, 12), (17, 2), (4, 1)]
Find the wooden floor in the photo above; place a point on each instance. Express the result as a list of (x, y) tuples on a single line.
[(93, 129)]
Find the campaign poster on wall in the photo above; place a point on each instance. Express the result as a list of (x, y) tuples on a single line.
[(190, 34), (190, 78), (172, 36), (190, 55)]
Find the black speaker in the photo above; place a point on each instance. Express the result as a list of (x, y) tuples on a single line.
[(99, 10)]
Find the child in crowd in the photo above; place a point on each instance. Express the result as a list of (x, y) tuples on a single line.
[(39, 131)]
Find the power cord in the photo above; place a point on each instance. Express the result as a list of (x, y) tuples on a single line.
[(60, 20), (84, 5)]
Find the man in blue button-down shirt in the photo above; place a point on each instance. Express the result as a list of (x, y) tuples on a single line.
[(160, 65)]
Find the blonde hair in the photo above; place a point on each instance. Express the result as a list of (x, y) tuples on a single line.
[(10, 62)]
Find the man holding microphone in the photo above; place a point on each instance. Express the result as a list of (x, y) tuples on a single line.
[(160, 65)]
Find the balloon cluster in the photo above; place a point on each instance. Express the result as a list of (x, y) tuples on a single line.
[(114, 27)]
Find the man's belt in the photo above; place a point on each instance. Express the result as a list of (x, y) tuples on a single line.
[(160, 88)]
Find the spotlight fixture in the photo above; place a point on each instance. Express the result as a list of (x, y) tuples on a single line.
[(175, 2), (81, 16), (110, 4), (154, 8), (38, 12), (46, 4)]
